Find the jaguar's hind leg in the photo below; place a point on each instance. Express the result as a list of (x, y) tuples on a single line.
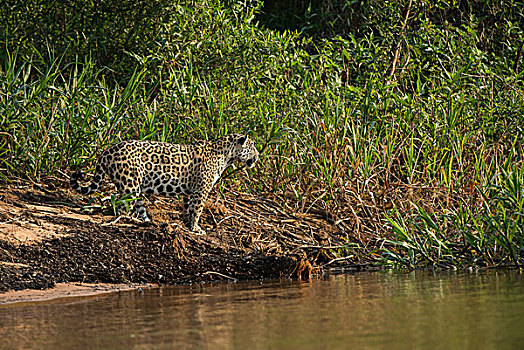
[(138, 207)]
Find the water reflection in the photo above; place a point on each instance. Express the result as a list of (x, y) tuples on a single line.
[(384, 310)]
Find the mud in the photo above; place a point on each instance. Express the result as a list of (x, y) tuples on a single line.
[(50, 235)]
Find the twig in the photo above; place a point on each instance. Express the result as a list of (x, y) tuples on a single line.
[(220, 274), (322, 246), (227, 217), (397, 50), (128, 217), (517, 59), (336, 260), (9, 255)]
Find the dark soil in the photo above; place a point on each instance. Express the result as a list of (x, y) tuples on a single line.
[(18, 278), (248, 238), (146, 255)]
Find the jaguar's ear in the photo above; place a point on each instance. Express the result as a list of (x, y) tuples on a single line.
[(242, 140)]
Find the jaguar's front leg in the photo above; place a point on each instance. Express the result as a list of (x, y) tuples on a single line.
[(193, 207)]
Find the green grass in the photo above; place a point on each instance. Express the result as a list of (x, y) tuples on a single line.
[(425, 159)]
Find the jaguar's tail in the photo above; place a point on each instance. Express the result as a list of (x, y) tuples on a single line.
[(95, 184)]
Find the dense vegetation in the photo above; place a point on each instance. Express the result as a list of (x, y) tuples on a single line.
[(400, 121)]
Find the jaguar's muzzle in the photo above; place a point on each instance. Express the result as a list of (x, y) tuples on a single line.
[(251, 162)]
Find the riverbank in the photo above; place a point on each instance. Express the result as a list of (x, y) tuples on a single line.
[(392, 132), (47, 239)]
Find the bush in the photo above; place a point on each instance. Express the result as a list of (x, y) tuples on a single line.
[(392, 120)]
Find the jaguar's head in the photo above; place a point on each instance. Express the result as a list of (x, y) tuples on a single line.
[(244, 150)]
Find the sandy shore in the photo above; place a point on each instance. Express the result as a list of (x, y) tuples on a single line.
[(66, 290)]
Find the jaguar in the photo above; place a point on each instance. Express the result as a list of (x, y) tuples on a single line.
[(158, 168)]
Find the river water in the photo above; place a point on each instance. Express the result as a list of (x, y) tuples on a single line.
[(379, 310)]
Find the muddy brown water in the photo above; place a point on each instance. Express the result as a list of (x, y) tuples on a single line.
[(379, 310)]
